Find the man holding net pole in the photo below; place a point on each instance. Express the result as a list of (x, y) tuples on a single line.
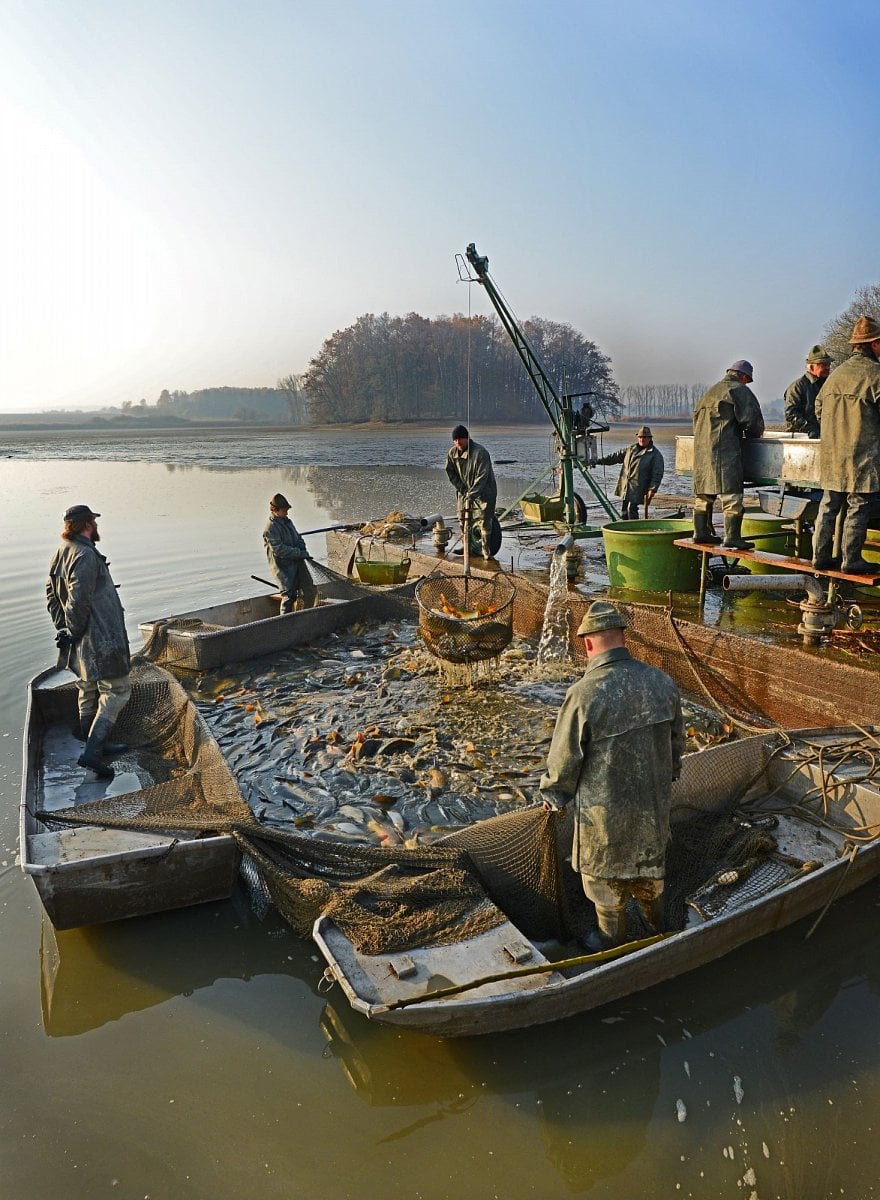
[(615, 751), (287, 553), (469, 469)]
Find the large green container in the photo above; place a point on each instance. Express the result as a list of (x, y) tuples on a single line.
[(640, 556), (768, 533)]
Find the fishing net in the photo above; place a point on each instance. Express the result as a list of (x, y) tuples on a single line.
[(464, 619)]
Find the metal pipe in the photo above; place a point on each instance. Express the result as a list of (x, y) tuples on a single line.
[(566, 544), (426, 522), (764, 583)]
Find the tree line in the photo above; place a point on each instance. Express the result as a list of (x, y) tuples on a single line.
[(414, 368)]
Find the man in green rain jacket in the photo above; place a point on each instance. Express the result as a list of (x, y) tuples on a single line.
[(615, 751), (848, 408), (640, 474), (469, 470), (723, 416), (800, 396)]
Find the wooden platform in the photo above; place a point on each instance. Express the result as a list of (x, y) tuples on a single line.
[(802, 565)]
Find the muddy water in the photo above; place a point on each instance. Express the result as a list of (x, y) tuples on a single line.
[(191, 1054)]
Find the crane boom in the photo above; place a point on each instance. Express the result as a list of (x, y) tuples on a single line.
[(557, 409)]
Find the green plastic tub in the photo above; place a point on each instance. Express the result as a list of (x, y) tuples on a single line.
[(768, 533), (641, 557)]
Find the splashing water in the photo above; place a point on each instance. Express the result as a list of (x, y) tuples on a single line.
[(553, 646)]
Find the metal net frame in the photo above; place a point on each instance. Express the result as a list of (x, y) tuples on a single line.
[(483, 634)]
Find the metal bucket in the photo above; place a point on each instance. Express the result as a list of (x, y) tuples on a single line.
[(481, 634), (641, 557)]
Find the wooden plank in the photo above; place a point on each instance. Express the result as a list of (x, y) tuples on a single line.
[(802, 565)]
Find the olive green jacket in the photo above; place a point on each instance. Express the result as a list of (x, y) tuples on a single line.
[(615, 750), (471, 474), (641, 472), (800, 405), (848, 408), (724, 415), (82, 598)]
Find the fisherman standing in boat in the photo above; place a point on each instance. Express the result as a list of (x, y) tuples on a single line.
[(800, 396), (287, 553), (848, 408), (616, 749), (728, 412), (85, 610), (469, 468), (640, 474)]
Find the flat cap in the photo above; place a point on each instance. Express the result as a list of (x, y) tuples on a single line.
[(80, 512), (460, 431), (743, 365), (279, 501), (600, 615)]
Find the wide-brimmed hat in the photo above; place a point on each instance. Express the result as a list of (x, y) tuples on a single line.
[(645, 431), (866, 329), (80, 512), (819, 354), (744, 367), (599, 616)]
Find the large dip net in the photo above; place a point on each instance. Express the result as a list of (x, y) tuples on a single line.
[(465, 620)]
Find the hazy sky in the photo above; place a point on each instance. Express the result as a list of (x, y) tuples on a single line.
[(199, 193)]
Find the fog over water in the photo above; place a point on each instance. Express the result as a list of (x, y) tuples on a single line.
[(191, 1055)]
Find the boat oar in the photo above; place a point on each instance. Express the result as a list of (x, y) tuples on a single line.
[(541, 969)]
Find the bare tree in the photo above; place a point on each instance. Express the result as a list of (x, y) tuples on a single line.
[(865, 303)]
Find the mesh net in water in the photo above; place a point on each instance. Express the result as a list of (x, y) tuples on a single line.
[(465, 620)]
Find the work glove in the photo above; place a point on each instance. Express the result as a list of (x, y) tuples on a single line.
[(64, 639)]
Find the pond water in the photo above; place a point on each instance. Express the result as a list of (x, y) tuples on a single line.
[(191, 1054)]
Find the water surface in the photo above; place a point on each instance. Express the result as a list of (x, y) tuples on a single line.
[(191, 1054)]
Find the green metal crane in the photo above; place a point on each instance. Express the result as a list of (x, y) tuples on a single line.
[(558, 409)]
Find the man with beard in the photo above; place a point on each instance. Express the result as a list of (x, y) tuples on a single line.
[(91, 638)]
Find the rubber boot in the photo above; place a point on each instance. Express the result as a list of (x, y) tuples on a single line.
[(733, 539), (101, 731), (84, 723), (611, 931), (854, 534), (91, 757), (653, 912), (703, 531)]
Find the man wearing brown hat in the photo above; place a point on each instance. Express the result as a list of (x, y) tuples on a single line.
[(85, 610), (287, 553), (848, 408), (615, 750), (800, 396), (728, 412), (640, 474)]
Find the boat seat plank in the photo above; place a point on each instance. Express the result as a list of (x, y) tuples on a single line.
[(55, 849), (373, 978)]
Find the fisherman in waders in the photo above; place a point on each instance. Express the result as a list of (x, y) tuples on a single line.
[(640, 474), (848, 408), (91, 639), (800, 396), (723, 416), (287, 554), (469, 468), (615, 751)]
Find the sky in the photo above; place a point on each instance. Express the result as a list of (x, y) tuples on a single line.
[(200, 192)]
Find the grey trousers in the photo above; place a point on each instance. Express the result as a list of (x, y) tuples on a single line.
[(731, 503), (860, 508), (298, 590), (101, 701)]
